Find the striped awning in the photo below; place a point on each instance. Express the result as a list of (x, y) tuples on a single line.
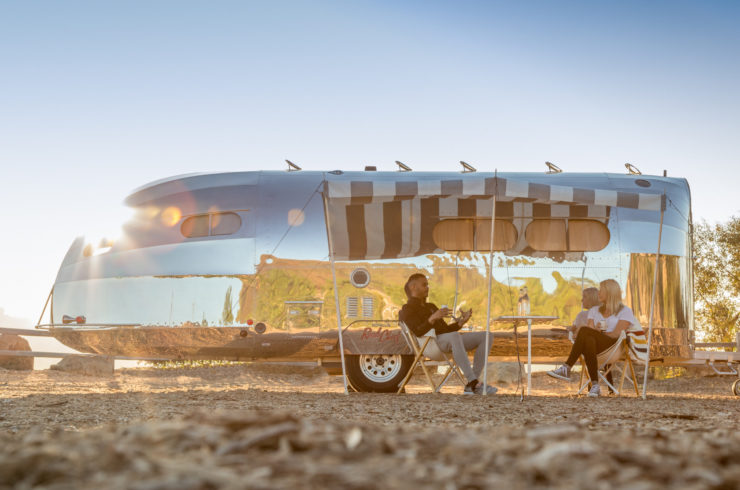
[(360, 192), (381, 219)]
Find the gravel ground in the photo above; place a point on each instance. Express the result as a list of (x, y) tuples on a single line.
[(262, 426)]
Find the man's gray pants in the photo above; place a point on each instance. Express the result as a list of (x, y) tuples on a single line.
[(459, 344)]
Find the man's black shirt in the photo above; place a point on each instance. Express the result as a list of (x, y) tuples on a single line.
[(415, 314)]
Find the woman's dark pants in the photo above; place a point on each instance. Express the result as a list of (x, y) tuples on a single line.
[(589, 343)]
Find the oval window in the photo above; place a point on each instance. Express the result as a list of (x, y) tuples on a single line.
[(504, 238), (560, 235), (225, 223), (587, 235), (195, 226), (454, 234), (473, 235), (214, 224)]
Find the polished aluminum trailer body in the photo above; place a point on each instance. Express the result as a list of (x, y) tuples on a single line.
[(209, 261)]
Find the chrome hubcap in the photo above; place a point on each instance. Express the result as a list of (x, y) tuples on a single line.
[(380, 367)]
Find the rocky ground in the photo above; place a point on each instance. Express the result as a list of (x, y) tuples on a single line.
[(259, 426)]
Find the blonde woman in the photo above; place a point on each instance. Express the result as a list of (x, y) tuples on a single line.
[(605, 323)]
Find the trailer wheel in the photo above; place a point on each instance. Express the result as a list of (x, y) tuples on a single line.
[(736, 387), (379, 373)]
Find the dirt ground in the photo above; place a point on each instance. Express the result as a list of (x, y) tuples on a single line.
[(280, 426)]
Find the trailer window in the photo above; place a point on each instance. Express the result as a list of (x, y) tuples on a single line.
[(504, 238), (455, 234), (195, 226), (212, 224), (562, 235), (473, 235), (587, 235), (225, 223)]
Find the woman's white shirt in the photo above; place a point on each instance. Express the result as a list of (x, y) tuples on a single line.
[(581, 319), (611, 321)]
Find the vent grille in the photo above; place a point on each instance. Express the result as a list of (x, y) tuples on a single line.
[(360, 307), (352, 306), (367, 307)]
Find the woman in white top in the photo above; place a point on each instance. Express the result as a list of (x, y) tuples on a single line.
[(605, 323)]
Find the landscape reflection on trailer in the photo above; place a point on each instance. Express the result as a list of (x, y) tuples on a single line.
[(236, 266)]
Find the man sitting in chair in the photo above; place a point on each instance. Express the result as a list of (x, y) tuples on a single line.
[(421, 317)]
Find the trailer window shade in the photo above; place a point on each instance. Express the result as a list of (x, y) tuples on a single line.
[(213, 224), (225, 223), (455, 234), (562, 235), (463, 235), (195, 226), (587, 235), (505, 236)]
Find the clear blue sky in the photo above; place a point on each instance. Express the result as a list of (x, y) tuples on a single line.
[(100, 97)]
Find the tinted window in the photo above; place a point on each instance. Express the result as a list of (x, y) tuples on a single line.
[(561, 235), (195, 226), (454, 234), (504, 238), (225, 223), (473, 235), (211, 225), (587, 235)]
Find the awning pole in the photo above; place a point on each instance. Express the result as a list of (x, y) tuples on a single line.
[(48, 298), (336, 291), (484, 391), (457, 277), (652, 301)]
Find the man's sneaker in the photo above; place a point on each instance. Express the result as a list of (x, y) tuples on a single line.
[(469, 390), (490, 390), (595, 390), (563, 372)]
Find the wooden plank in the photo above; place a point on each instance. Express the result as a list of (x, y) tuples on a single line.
[(25, 332), (704, 345), (19, 353)]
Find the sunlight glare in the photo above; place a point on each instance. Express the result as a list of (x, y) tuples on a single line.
[(171, 216), (296, 217)]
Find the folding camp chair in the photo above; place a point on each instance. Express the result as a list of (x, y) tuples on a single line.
[(621, 351), (428, 354)]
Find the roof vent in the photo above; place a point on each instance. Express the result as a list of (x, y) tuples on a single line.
[(371, 168), (402, 167)]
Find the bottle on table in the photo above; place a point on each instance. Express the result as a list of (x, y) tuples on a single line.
[(523, 303)]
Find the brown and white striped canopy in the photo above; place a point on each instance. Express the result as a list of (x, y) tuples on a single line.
[(380, 219)]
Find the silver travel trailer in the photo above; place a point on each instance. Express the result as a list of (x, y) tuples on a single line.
[(238, 266)]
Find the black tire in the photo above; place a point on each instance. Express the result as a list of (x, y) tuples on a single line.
[(736, 387), (377, 373)]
